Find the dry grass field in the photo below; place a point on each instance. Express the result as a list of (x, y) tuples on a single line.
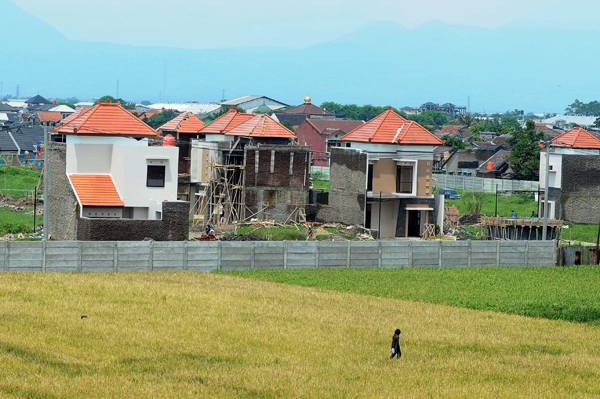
[(163, 335)]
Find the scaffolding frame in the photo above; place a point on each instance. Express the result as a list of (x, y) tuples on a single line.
[(223, 195)]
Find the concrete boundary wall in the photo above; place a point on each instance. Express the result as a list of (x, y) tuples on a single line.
[(119, 256), (473, 183)]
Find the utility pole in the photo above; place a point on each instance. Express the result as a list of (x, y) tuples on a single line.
[(546, 181), (496, 212), (46, 229)]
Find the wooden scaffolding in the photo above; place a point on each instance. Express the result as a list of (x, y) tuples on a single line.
[(223, 196)]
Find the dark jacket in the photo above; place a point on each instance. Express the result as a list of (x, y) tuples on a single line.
[(396, 344)]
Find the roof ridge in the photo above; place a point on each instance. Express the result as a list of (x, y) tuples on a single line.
[(273, 120), (385, 115), (85, 117), (402, 132), (81, 114), (138, 120)]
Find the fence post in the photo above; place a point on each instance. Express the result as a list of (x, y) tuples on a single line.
[(498, 253), (185, 255), (440, 253), (285, 250), (79, 266), (454, 181), (317, 255), (469, 253), (410, 254), (115, 264), (44, 256), (348, 255), (251, 255), (6, 256), (379, 258), (527, 253), (151, 257), (219, 253)]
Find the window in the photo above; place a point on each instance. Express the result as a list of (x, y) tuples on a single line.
[(404, 179), (156, 176)]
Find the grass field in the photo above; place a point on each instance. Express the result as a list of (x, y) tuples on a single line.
[(554, 293), (159, 335), (18, 222), (18, 181), (523, 205), (321, 184)]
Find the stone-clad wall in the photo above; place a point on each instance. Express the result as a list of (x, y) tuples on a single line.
[(60, 198), (173, 226), (347, 188), (580, 193)]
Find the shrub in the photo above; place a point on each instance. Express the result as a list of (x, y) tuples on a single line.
[(473, 203), (318, 175)]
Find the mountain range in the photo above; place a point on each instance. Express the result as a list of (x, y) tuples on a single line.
[(539, 69)]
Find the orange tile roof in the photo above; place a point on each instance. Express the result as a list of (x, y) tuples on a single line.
[(108, 119), (96, 190), (391, 128), (74, 115), (173, 124), (576, 138), (226, 122), (48, 116), (261, 125)]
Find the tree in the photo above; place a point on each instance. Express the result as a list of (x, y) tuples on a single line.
[(289, 125), (524, 157), (124, 104), (597, 122), (509, 120), (580, 108), (160, 118), (146, 102), (431, 120), (454, 142), (466, 119), (68, 104)]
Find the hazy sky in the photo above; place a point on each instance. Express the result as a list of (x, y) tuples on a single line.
[(289, 23)]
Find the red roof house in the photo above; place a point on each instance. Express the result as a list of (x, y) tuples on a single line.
[(226, 122), (107, 119), (391, 128), (261, 126), (316, 132), (576, 138)]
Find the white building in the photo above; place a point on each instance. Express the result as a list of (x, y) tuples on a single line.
[(111, 168)]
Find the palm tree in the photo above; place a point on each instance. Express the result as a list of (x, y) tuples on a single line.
[(467, 119)]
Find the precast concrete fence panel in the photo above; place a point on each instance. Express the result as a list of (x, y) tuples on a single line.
[(105, 256)]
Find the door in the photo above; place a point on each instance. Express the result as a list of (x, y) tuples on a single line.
[(414, 224)]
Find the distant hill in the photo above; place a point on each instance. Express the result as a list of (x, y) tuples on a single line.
[(382, 63)]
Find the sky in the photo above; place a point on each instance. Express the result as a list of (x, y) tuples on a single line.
[(283, 23)]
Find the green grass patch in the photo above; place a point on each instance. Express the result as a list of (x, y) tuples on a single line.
[(18, 222), (580, 232), (522, 204), (552, 292), (321, 184), (276, 233), (18, 181)]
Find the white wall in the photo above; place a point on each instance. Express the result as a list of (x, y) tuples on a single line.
[(129, 171), (127, 141), (200, 149), (392, 148), (128, 166), (555, 175)]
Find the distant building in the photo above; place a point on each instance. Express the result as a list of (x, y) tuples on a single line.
[(297, 115), (249, 103), (194, 108), (447, 108), (322, 134)]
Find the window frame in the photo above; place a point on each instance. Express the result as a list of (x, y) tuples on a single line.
[(148, 178)]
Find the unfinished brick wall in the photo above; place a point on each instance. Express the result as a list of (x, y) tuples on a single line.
[(580, 193), (278, 182)]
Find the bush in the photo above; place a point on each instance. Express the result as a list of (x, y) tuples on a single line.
[(473, 203), (318, 175), (14, 228)]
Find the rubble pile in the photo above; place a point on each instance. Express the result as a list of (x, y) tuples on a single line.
[(469, 219), (242, 237)]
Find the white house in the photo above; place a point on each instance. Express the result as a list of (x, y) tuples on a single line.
[(112, 169)]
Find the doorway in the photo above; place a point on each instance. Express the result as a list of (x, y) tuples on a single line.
[(414, 224)]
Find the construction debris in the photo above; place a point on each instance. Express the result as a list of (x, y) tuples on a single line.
[(242, 237)]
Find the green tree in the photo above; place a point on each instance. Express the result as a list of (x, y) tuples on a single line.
[(146, 102), (289, 125), (597, 122), (454, 142), (466, 119), (68, 104), (431, 120), (160, 118), (524, 155), (124, 104), (509, 120), (580, 108)]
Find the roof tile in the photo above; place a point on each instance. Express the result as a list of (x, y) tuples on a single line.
[(576, 138), (226, 122), (391, 128), (96, 190), (261, 125)]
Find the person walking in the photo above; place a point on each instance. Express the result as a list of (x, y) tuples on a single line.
[(396, 345)]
